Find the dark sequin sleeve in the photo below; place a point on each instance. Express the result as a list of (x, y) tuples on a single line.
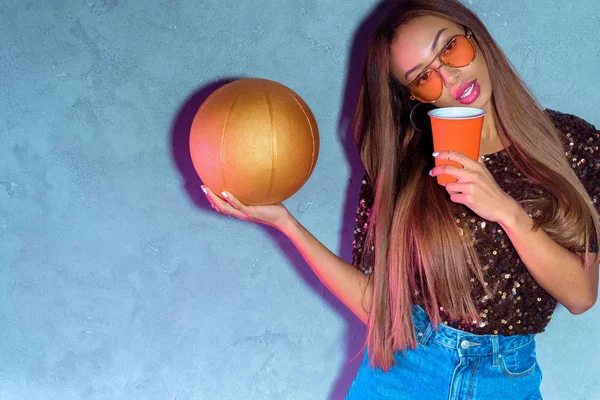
[(363, 212), (582, 140)]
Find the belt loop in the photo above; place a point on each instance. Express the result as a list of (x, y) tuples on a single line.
[(423, 337), (495, 350)]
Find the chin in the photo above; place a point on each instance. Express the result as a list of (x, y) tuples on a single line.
[(484, 98), (482, 101)]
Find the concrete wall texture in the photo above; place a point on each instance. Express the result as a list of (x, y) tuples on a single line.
[(117, 280)]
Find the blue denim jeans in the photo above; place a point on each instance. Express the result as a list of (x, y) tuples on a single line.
[(451, 364)]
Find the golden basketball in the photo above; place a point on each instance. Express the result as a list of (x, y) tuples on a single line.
[(256, 139)]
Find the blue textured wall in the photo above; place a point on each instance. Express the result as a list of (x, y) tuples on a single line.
[(116, 279)]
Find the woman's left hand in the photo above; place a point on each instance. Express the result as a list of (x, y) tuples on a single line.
[(476, 187)]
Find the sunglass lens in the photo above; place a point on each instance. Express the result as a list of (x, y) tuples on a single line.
[(459, 53), (428, 87)]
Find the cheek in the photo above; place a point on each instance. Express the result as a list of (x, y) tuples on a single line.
[(483, 78), (480, 69), (482, 73)]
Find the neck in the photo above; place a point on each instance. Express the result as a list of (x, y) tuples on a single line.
[(490, 140)]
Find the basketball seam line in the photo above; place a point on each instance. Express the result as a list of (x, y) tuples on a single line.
[(312, 135), (223, 134), (273, 144)]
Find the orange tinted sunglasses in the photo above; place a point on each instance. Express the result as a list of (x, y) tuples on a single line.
[(459, 52)]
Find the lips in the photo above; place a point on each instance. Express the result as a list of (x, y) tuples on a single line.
[(461, 90)]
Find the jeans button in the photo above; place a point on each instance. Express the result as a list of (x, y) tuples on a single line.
[(465, 344)]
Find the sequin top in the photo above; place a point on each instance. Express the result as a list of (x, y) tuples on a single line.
[(521, 305)]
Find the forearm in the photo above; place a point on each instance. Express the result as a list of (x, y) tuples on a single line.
[(557, 270), (345, 281)]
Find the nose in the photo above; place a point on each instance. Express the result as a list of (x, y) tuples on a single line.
[(449, 75)]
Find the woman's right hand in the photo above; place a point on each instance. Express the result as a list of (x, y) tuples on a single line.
[(275, 215)]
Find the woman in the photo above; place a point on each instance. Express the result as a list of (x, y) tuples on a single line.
[(454, 282)]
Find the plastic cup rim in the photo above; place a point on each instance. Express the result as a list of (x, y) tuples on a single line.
[(457, 113)]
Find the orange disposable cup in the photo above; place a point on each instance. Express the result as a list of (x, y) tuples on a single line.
[(456, 129)]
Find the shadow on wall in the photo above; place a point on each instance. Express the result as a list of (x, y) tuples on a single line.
[(180, 133), (360, 42)]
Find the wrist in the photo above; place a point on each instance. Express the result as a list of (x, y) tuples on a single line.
[(513, 213), (286, 223)]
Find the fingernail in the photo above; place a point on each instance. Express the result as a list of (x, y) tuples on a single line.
[(224, 194), (204, 189), (437, 153), (431, 173)]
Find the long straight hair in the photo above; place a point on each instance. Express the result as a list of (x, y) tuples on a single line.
[(417, 245)]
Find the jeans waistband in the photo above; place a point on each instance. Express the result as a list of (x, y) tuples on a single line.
[(466, 343)]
